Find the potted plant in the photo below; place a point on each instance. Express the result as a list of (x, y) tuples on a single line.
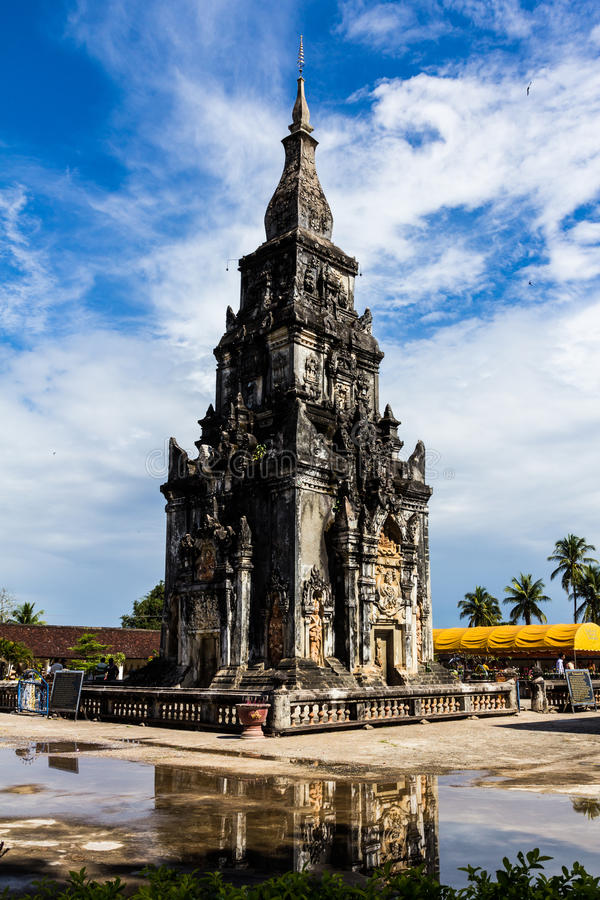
[(252, 715)]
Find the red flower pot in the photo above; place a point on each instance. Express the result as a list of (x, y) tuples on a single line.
[(252, 717)]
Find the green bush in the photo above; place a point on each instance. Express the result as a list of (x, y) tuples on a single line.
[(524, 880)]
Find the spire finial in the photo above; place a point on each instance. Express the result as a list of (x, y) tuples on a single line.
[(300, 113), (301, 57)]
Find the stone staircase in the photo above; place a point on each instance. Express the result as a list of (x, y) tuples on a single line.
[(430, 673)]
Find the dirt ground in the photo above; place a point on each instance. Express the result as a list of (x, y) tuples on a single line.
[(531, 751)]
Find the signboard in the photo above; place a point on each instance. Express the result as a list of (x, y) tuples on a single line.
[(64, 763), (580, 687), (66, 691)]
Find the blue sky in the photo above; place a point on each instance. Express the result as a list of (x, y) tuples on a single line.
[(140, 144)]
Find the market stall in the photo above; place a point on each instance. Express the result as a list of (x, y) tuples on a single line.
[(522, 646)]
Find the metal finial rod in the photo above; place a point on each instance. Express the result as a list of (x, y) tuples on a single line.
[(301, 57)]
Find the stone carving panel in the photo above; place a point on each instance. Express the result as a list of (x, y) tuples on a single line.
[(203, 613), (279, 607), (388, 571), (312, 376), (342, 398), (275, 632), (318, 610), (206, 562), (315, 637)]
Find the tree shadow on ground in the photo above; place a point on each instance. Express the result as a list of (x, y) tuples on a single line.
[(576, 723)]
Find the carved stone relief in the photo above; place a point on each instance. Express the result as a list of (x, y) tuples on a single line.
[(342, 396), (206, 561), (419, 633), (317, 609), (275, 632), (388, 594), (412, 528), (365, 322), (316, 591), (315, 637), (312, 376), (310, 279), (203, 613), (363, 387)]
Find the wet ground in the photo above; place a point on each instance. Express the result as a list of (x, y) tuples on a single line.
[(122, 797)]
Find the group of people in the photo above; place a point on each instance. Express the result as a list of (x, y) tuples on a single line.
[(561, 665), (105, 671)]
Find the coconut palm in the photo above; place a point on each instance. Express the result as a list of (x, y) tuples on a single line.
[(589, 807), (589, 591), (526, 595), (480, 608), (25, 615), (570, 554)]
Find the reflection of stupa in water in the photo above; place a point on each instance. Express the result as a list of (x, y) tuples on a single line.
[(277, 825)]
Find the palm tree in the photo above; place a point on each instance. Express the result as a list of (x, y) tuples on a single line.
[(589, 807), (25, 615), (589, 591), (480, 608), (570, 554), (526, 595)]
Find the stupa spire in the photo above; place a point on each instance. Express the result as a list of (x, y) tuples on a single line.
[(299, 200)]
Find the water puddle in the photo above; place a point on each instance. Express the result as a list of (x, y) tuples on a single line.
[(62, 809)]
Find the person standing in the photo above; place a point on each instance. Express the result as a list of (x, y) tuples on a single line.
[(112, 671), (560, 665)]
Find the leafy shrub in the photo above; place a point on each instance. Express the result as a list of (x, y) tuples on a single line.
[(523, 880)]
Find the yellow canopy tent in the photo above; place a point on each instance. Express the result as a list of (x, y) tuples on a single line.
[(518, 640)]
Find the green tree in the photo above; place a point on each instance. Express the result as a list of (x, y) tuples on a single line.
[(480, 608), (25, 615), (526, 594), (15, 653), (570, 554), (587, 806), (589, 593), (89, 650), (147, 611), (7, 605)]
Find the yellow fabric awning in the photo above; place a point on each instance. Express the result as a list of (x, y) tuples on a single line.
[(506, 640), (448, 639)]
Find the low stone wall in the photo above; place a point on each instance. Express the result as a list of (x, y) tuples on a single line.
[(547, 695), (306, 711), (291, 711)]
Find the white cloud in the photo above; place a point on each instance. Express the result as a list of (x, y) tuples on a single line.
[(390, 25), (81, 515), (26, 287), (509, 410), (475, 147), (394, 28)]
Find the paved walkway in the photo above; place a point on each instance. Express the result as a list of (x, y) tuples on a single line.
[(538, 752)]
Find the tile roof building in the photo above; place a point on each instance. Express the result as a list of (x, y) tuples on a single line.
[(55, 641)]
